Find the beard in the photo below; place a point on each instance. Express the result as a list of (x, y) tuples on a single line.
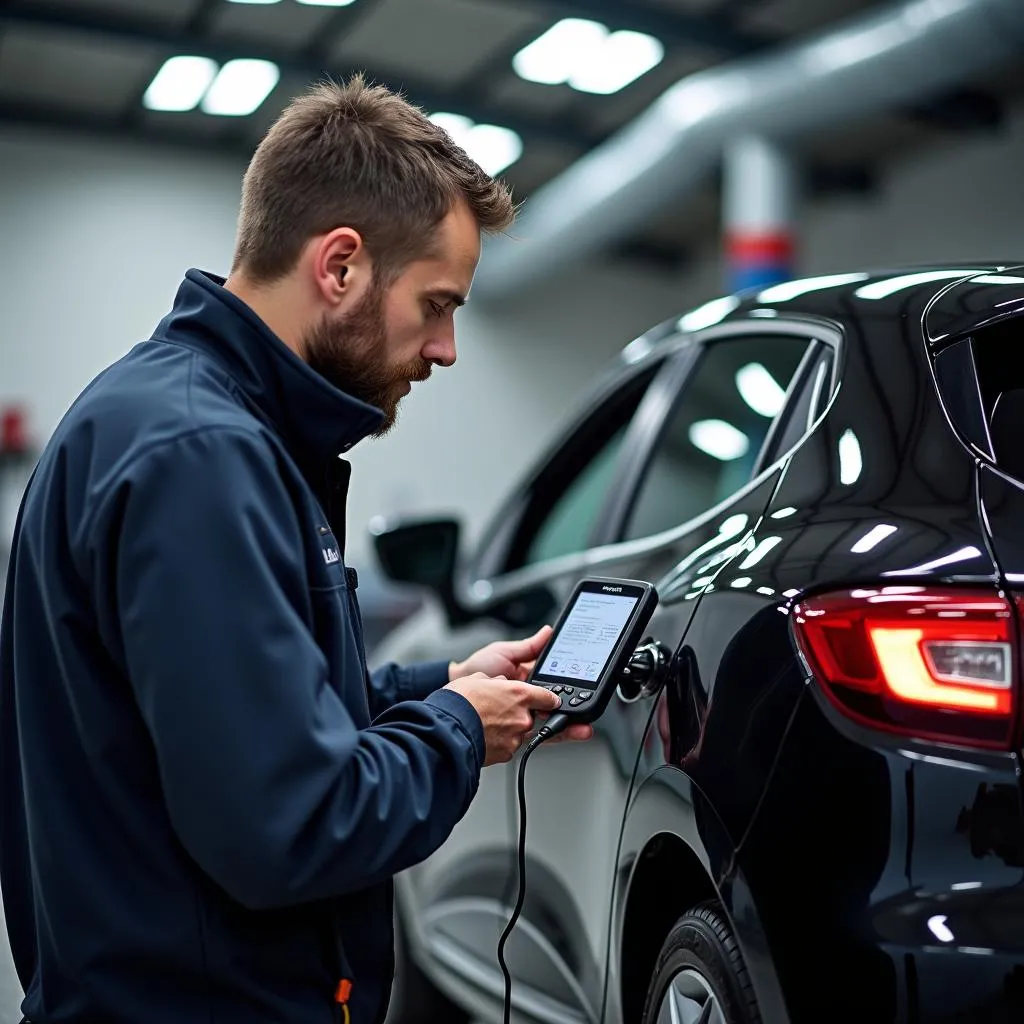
[(350, 352)]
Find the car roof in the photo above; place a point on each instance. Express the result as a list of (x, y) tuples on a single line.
[(936, 289)]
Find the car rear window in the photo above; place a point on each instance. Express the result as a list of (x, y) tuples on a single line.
[(982, 381)]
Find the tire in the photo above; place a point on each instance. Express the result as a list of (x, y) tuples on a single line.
[(701, 963)]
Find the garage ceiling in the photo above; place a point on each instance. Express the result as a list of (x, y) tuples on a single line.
[(84, 65)]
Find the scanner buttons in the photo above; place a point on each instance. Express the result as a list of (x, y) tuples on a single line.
[(575, 701)]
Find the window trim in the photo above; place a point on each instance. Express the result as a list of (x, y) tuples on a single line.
[(810, 363), (815, 332)]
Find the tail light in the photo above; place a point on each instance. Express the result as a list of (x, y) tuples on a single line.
[(939, 664)]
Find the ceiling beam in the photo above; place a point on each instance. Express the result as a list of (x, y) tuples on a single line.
[(560, 130), (73, 122)]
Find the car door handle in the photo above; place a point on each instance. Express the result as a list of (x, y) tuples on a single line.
[(645, 674)]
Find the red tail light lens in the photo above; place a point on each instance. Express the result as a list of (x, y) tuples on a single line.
[(928, 662)]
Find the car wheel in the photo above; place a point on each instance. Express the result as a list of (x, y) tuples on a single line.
[(700, 976)]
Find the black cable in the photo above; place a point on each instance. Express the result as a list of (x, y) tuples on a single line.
[(554, 725)]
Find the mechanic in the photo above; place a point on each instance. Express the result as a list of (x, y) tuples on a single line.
[(205, 793)]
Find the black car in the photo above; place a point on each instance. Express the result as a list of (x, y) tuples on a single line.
[(816, 815)]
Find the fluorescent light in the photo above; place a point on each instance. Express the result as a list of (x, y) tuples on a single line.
[(327, 3), (760, 551), (760, 390), (180, 83), (710, 313), (872, 538), (553, 56), (240, 87), (492, 147), (254, 1), (586, 56), (784, 513), (794, 289), (732, 525), (938, 927), (742, 581), (850, 461), (957, 556), (887, 287), (996, 279), (719, 439), (767, 591), (622, 59), (958, 886)]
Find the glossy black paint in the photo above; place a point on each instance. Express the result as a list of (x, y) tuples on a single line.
[(868, 876)]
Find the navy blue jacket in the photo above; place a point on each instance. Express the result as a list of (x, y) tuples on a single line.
[(204, 792)]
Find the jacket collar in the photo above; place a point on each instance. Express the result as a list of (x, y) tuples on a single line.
[(316, 421)]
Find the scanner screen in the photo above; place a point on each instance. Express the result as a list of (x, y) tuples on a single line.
[(588, 636)]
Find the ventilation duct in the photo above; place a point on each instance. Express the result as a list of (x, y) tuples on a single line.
[(862, 66)]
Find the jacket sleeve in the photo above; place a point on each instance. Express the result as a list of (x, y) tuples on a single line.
[(269, 784), (393, 683)]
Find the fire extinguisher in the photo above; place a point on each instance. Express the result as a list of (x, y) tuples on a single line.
[(14, 443)]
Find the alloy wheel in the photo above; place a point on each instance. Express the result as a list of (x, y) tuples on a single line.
[(690, 999)]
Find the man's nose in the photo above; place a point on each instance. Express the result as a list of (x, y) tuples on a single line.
[(440, 350)]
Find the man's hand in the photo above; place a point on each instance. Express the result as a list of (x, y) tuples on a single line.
[(506, 708), (512, 659)]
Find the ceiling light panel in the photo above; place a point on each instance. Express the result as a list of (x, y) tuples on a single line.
[(585, 55), (240, 87), (494, 148), (180, 83)]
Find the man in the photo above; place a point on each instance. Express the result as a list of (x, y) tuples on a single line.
[(205, 796)]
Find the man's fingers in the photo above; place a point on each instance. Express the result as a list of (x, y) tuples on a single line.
[(528, 649), (524, 670), (539, 699)]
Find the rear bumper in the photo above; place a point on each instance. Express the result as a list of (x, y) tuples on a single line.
[(889, 876), (970, 968)]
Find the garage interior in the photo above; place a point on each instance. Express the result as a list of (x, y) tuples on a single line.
[(718, 148)]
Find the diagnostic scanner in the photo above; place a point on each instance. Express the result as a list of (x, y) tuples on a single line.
[(592, 644)]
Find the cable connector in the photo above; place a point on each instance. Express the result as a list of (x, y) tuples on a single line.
[(552, 727)]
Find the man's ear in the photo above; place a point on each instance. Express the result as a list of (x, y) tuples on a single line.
[(341, 266)]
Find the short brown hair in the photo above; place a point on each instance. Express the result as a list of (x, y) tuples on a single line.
[(361, 156)]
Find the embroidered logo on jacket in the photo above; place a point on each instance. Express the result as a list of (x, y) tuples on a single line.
[(331, 556)]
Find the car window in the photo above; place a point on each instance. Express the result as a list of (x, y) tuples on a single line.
[(572, 517), (982, 384), (561, 506), (711, 441), (810, 390)]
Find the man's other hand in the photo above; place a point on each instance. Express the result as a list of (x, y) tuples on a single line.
[(512, 659)]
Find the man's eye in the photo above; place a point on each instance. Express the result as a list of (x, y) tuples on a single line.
[(437, 309)]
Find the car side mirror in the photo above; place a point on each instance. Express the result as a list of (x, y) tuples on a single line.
[(422, 553)]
